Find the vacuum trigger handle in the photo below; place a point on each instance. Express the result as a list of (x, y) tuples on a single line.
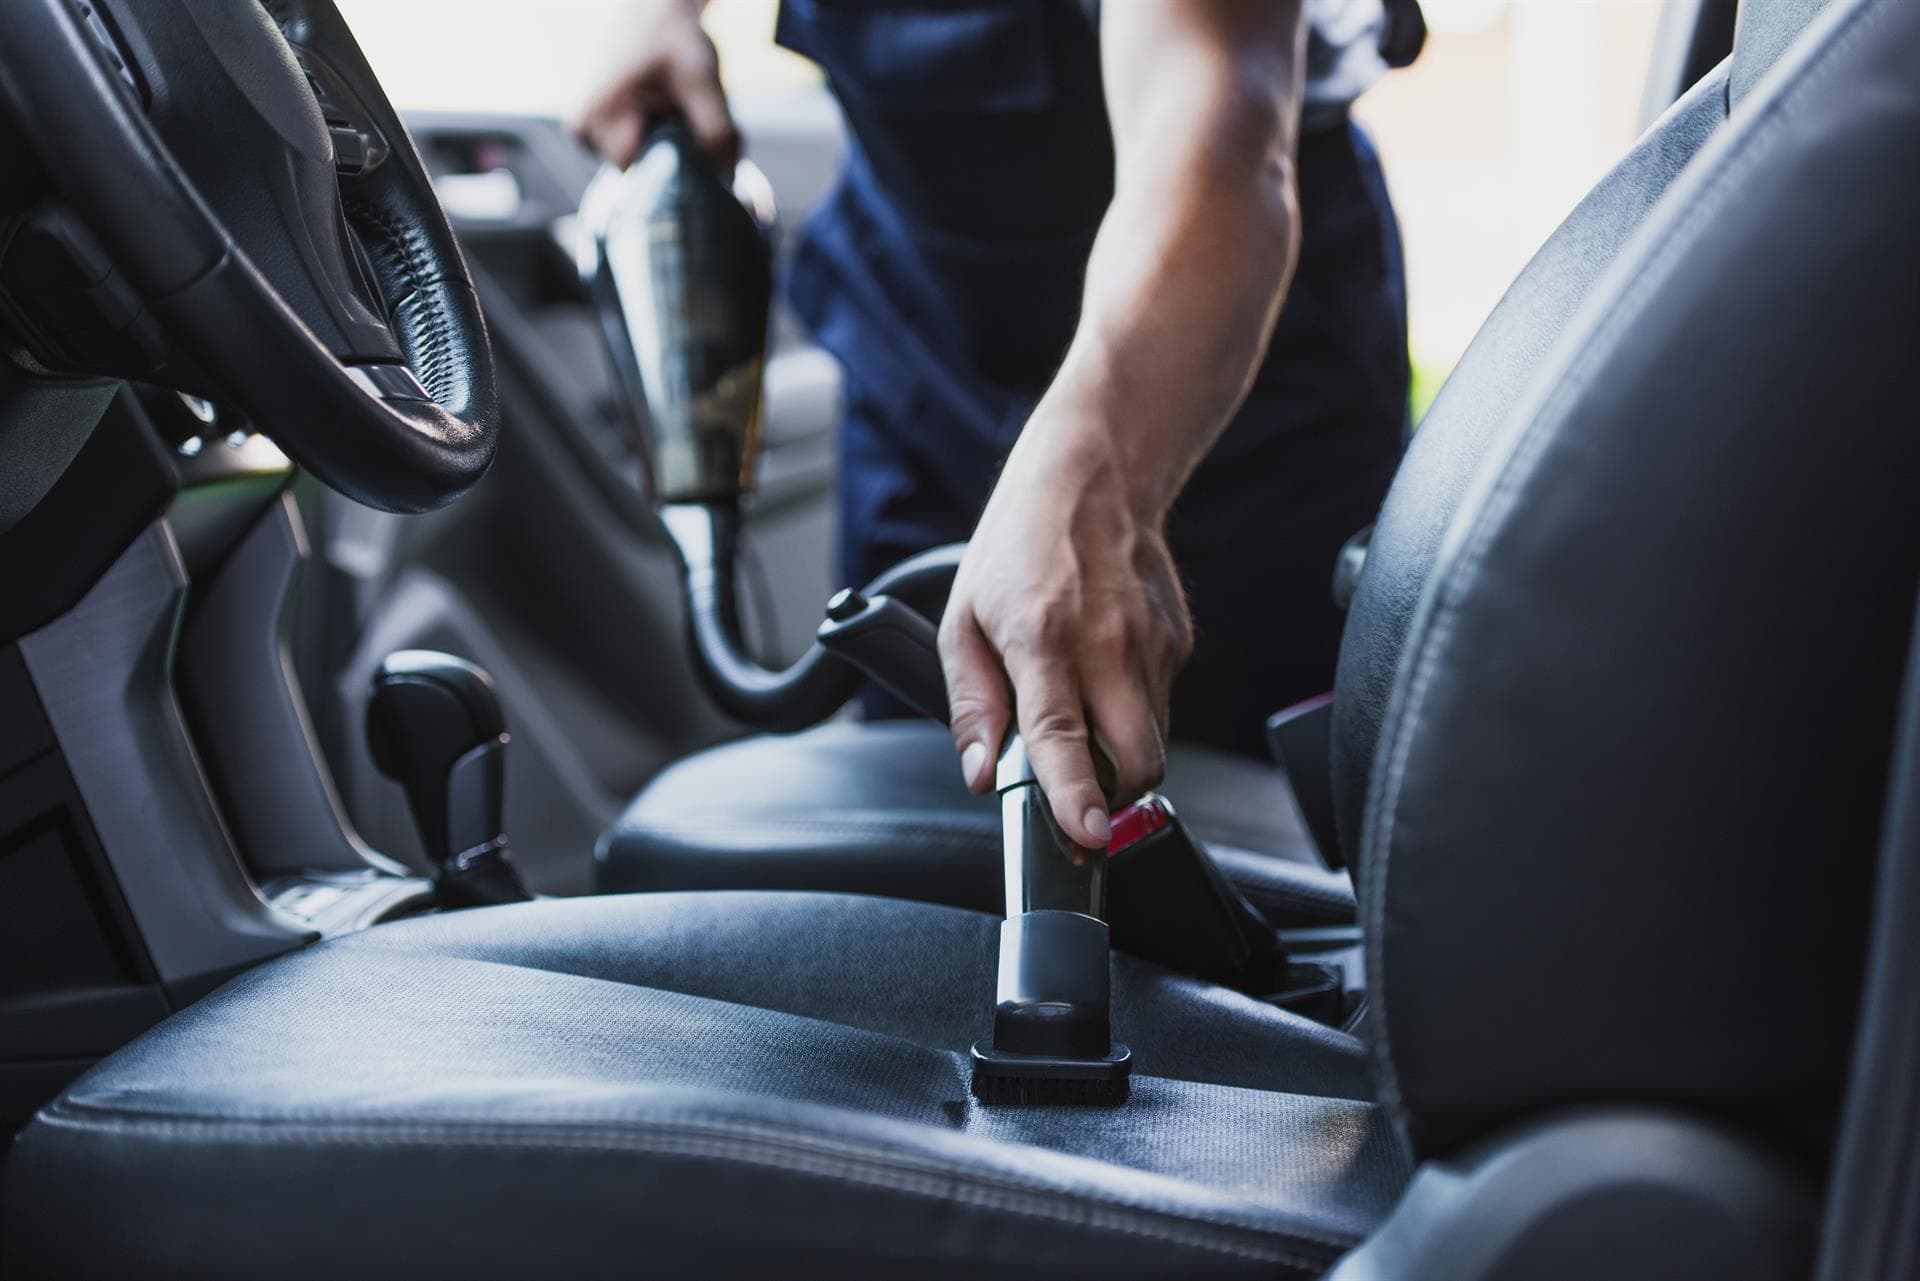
[(891, 642)]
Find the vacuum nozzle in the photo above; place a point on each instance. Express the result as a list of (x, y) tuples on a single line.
[(1052, 1036)]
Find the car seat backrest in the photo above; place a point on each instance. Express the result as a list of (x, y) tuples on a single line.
[(1496, 369), (1619, 834), (1762, 31)]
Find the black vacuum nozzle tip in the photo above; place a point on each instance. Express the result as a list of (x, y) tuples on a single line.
[(1002, 1077)]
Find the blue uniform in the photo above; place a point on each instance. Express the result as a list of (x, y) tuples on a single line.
[(945, 273)]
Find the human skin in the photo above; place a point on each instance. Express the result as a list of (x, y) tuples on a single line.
[(1067, 617)]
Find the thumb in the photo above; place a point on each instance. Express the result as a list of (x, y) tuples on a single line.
[(977, 695)]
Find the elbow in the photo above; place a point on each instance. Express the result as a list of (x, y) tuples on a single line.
[(1253, 130), (1250, 116), (1255, 136)]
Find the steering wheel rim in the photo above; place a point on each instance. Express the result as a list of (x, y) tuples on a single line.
[(341, 319)]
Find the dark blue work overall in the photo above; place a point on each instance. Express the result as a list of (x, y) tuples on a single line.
[(945, 273)]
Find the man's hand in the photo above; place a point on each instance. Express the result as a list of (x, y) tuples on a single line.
[(1066, 608), (1067, 612), (676, 70)]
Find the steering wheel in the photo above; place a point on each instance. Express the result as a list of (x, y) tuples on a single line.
[(255, 193)]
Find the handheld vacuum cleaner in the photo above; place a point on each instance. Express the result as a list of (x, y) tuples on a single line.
[(678, 265)]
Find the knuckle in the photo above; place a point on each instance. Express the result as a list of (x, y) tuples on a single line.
[(1140, 767), (1179, 639), (693, 66), (1039, 628), (970, 707), (1108, 633), (1056, 726)]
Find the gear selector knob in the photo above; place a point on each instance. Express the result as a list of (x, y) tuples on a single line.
[(434, 726)]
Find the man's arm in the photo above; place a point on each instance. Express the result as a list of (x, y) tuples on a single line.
[(1067, 605)]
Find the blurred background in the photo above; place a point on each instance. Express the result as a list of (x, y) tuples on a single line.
[(1513, 111)]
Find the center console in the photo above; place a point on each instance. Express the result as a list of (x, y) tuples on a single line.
[(165, 821)]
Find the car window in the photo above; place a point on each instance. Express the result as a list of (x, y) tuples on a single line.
[(542, 57)]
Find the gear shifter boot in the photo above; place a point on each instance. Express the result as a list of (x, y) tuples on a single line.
[(434, 726)]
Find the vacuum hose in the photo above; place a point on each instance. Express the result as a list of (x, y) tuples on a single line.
[(819, 683)]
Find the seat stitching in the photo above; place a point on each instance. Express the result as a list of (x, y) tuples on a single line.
[(763, 1146)]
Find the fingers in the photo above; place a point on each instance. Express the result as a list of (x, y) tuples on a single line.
[(1128, 731), (1126, 699), (615, 123), (701, 99), (683, 75), (1046, 690), (977, 695), (617, 135)]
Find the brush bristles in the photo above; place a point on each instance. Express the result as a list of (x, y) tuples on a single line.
[(1050, 1091)]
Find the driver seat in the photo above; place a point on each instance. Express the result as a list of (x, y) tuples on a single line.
[(878, 808), (1690, 543)]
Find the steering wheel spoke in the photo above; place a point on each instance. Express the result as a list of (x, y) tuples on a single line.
[(264, 222)]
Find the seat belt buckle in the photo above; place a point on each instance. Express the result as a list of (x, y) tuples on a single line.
[(1168, 903), (1301, 741)]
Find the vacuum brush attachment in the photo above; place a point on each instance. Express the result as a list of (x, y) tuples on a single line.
[(1052, 1040), (1052, 1031), (1052, 1036)]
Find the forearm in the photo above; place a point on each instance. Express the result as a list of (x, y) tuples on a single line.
[(1183, 298), (1067, 616), (1189, 268)]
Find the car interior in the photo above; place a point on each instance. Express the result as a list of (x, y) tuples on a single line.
[(432, 843)]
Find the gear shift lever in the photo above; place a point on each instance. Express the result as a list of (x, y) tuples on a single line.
[(434, 726)]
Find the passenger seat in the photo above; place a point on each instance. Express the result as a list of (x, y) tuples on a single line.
[(880, 809)]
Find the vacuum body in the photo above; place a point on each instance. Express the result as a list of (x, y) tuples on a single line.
[(676, 260), (679, 264)]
